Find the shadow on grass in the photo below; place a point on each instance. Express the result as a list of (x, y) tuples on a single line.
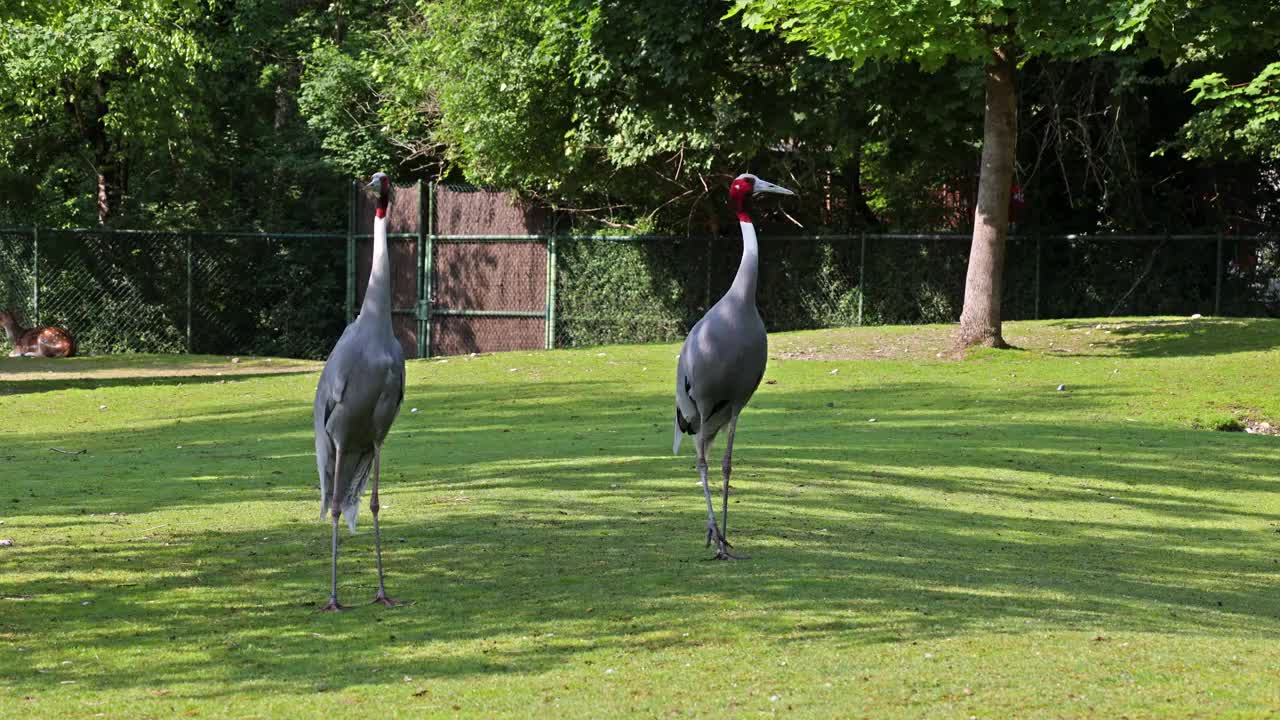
[(1162, 337), (531, 524), (242, 606), (483, 436), (27, 387), (20, 376), (135, 362)]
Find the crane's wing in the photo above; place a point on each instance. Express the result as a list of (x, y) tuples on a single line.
[(356, 466), (329, 393), (351, 476), (360, 415), (389, 402), (687, 419), (721, 364)]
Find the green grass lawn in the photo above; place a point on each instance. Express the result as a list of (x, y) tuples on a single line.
[(989, 547)]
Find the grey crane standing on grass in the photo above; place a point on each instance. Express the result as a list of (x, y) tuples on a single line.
[(358, 397), (723, 360)]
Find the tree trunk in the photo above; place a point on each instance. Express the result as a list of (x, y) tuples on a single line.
[(984, 283), (858, 213), (105, 166), (111, 183)]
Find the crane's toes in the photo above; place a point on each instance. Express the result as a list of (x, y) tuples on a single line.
[(715, 536), (333, 606), (382, 599), (724, 554)]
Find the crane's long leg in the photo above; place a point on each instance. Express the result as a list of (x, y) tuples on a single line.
[(713, 530), (374, 506), (727, 467), (334, 511)]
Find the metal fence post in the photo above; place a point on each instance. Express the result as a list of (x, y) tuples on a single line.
[(351, 254), (429, 268), (421, 243), (551, 293), (35, 273), (862, 273), (1217, 277), (188, 294)]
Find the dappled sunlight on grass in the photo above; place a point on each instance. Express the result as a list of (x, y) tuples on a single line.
[(550, 546)]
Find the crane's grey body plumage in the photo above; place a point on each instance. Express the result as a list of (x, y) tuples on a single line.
[(722, 363), (359, 395), (720, 367), (357, 399)]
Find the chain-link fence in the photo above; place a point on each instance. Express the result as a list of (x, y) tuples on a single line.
[(639, 289), (125, 291), (290, 294), (279, 295), (17, 266)]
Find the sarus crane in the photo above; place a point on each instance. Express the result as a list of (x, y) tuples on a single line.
[(723, 360), (360, 392)]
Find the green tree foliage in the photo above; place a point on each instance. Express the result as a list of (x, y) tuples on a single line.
[(164, 113), (86, 83), (260, 165), (997, 34), (631, 108), (1238, 120), (256, 114), (341, 105), (933, 32)]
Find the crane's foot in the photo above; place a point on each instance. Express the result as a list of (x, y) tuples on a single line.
[(382, 599), (333, 606), (722, 553), (715, 536)]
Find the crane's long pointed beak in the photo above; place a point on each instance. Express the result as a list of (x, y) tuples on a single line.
[(763, 186)]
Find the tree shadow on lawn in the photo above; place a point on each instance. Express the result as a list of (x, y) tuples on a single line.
[(57, 383), (9, 388), (555, 435), (148, 362), (592, 435), (489, 588), (927, 524), (1162, 337)]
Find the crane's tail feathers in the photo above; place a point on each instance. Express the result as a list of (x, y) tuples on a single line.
[(682, 427), (349, 513), (356, 470)]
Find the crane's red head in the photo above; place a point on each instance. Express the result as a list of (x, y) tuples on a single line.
[(746, 185), (382, 184)]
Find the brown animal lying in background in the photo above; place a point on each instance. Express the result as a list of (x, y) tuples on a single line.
[(43, 341)]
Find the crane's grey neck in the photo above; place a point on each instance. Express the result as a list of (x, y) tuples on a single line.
[(744, 283), (377, 296)]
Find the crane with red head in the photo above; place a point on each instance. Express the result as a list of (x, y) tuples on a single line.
[(723, 360), (357, 399)]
